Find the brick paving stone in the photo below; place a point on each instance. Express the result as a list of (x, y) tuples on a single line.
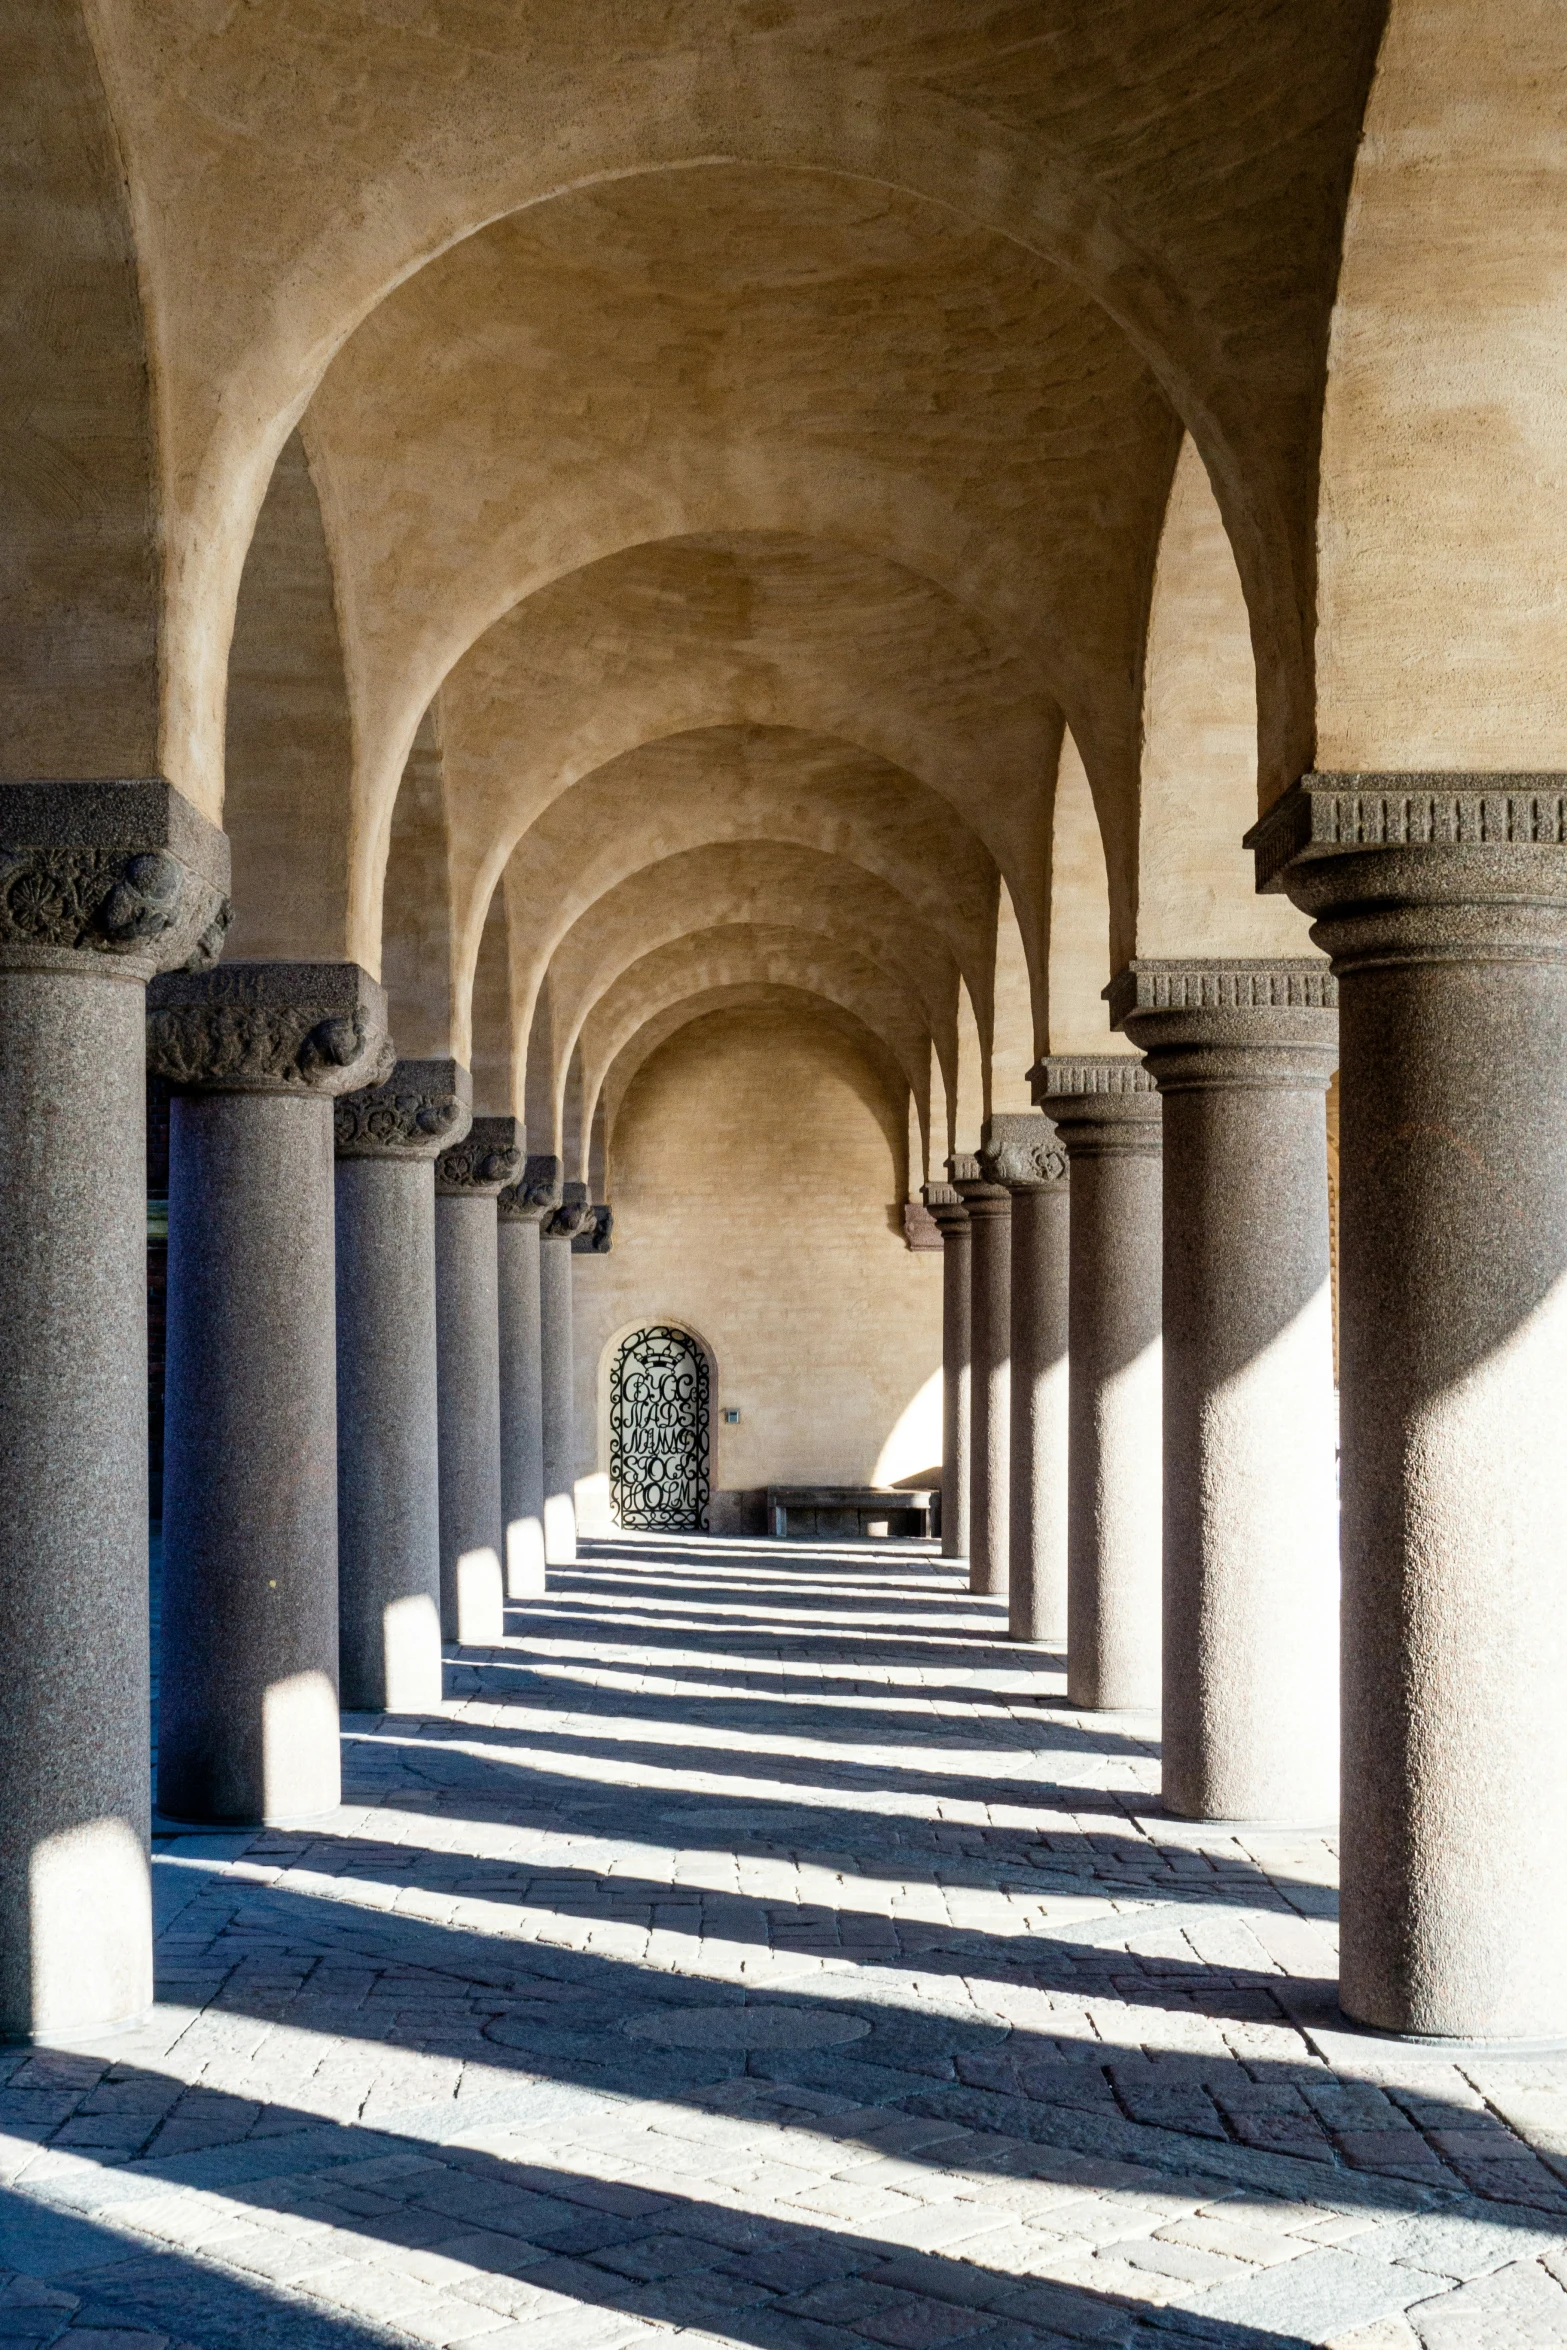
[(387, 2095)]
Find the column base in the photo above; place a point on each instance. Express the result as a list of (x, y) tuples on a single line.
[(1261, 1825), (80, 2035), (166, 1823), (1343, 2041)]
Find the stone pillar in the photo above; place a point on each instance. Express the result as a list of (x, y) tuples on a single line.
[(1106, 1111), (1023, 1154), (1442, 901), (388, 1511), (101, 885), (560, 1450), (523, 1208), (1242, 1053), (469, 1179), (957, 1249), (247, 1698), (989, 1208)]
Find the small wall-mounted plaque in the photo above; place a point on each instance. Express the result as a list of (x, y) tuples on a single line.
[(732, 1415)]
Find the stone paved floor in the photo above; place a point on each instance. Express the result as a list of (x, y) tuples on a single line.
[(757, 1950)]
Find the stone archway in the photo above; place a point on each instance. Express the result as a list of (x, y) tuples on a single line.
[(658, 1431)]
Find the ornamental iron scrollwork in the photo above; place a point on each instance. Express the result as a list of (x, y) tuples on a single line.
[(658, 1437)]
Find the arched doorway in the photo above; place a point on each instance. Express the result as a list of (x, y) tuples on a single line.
[(658, 1438)]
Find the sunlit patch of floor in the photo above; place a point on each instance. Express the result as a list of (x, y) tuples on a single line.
[(757, 1947)]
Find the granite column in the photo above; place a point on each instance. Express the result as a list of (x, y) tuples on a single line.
[(1442, 901), (1106, 1112), (469, 1179), (101, 886), (247, 1712), (989, 1208), (957, 1251), (1023, 1154), (388, 1474), (556, 1235), (1242, 1053), (523, 1208)]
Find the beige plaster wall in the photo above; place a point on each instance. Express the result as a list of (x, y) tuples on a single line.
[(416, 942), (291, 167), (968, 1100), (695, 788), (751, 954), (1079, 970), (290, 734), (888, 1102), (80, 573), (756, 1204), (1012, 1040), (1196, 890), (1442, 622), (492, 1054)]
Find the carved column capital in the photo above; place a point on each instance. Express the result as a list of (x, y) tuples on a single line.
[(1101, 1104), (535, 1196), (573, 1213), (1215, 1025), (109, 875), (980, 1194), (597, 1237), (1401, 868), (422, 1108), (1022, 1153), (945, 1203), (305, 1028), (488, 1158)]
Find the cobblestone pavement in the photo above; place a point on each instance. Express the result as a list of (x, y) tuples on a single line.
[(757, 1950)]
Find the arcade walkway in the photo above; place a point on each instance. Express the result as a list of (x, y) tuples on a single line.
[(757, 1949)]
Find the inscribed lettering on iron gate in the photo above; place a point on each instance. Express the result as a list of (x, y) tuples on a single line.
[(658, 1440)]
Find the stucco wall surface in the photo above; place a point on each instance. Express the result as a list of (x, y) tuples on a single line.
[(755, 1204)]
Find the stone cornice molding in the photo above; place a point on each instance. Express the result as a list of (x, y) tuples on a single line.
[(116, 878), (536, 1194), (573, 1213), (1222, 984), (1101, 1104), (422, 1108), (1239, 1024), (597, 1237), (1068, 1076), (293, 1028), (483, 1163), (945, 1203), (1404, 868), (1022, 1152), (1335, 815)]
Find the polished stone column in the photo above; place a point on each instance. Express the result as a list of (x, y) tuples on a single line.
[(523, 1208), (101, 885), (989, 1208), (1023, 1154), (388, 1515), (469, 1179), (1242, 1053), (957, 1249), (247, 1695), (1442, 901), (1106, 1111), (560, 1451)]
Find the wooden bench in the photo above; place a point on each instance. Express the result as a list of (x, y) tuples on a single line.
[(850, 1513)]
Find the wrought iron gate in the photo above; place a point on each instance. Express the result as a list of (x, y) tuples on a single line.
[(658, 1433)]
